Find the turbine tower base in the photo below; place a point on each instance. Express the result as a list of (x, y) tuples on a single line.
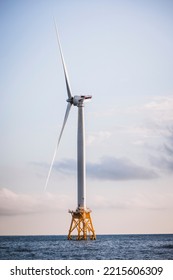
[(81, 221)]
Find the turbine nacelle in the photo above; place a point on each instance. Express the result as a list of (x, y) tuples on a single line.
[(78, 100)]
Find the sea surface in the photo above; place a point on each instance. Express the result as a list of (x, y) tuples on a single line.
[(105, 247)]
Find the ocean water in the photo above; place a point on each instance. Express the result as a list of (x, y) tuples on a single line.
[(105, 247)]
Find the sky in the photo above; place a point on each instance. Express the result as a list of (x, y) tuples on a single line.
[(120, 52)]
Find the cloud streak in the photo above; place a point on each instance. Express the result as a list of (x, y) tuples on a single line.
[(109, 168), (165, 159)]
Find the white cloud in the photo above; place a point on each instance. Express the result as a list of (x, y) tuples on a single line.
[(15, 204), (161, 109), (12, 203), (98, 137), (154, 122), (139, 200), (160, 122), (160, 103)]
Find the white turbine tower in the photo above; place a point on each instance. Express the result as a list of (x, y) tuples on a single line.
[(81, 218)]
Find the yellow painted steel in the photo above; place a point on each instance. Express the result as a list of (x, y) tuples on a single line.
[(82, 223)]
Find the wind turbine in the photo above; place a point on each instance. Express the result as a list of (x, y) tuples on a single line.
[(81, 218)]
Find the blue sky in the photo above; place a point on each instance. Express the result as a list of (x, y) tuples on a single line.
[(120, 52)]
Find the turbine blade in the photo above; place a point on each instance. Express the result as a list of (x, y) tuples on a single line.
[(69, 92), (54, 155)]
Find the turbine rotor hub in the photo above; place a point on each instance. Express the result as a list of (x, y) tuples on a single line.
[(78, 100)]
